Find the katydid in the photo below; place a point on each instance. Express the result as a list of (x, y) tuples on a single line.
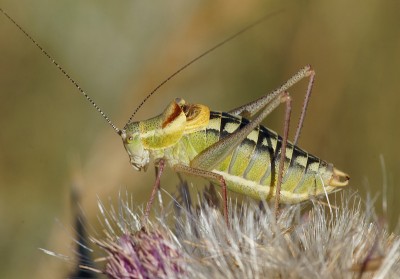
[(240, 155)]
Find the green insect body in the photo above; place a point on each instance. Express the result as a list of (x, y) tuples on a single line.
[(184, 131)]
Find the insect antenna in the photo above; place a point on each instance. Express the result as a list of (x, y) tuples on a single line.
[(117, 130), (226, 40)]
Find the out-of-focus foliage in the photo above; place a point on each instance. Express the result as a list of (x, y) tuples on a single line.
[(52, 139)]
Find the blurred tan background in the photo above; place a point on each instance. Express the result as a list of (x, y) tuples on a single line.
[(51, 138)]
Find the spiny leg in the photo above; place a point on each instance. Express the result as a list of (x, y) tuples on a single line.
[(288, 110), (208, 175), (216, 153), (305, 104), (161, 164), (250, 109), (288, 101)]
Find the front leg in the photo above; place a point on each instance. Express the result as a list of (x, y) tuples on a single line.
[(156, 187), (211, 176)]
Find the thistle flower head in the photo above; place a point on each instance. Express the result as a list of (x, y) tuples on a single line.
[(319, 242), (187, 241)]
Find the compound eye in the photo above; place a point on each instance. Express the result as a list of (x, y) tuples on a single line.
[(129, 139)]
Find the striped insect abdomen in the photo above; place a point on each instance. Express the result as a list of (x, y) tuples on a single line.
[(252, 167)]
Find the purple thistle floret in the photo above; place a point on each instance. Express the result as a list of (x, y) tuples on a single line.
[(143, 255)]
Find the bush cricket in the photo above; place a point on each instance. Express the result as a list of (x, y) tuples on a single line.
[(240, 155)]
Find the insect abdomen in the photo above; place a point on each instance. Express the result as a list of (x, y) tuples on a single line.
[(253, 166)]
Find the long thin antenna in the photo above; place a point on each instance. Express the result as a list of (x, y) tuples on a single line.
[(268, 16), (64, 72)]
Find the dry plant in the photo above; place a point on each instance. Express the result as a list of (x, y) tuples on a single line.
[(342, 239)]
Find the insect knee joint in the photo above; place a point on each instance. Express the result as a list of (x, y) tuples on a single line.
[(285, 97)]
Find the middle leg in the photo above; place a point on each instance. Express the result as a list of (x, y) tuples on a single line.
[(208, 175)]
